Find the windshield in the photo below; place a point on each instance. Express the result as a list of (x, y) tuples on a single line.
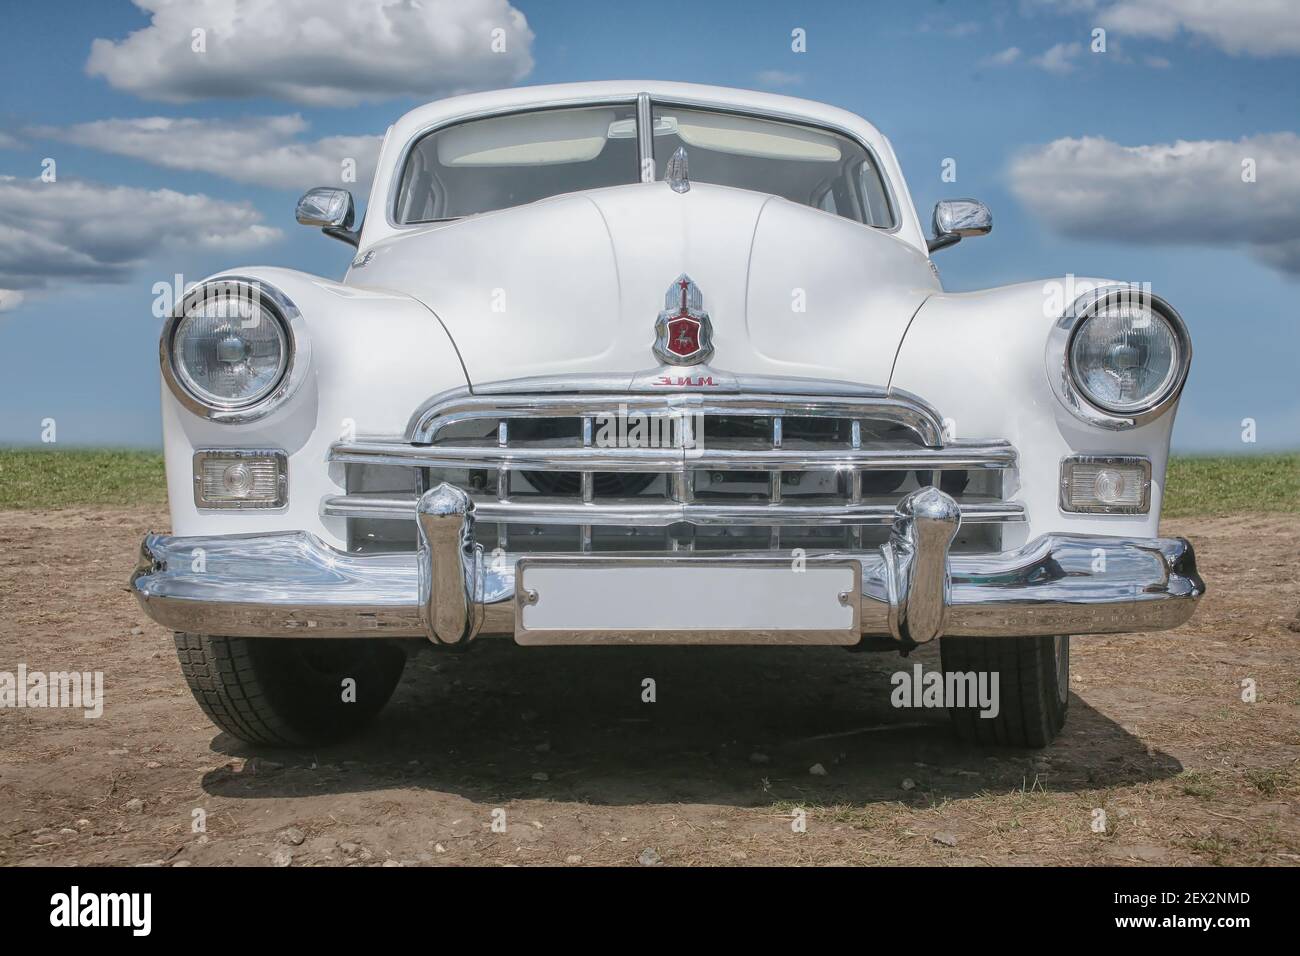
[(804, 165), (502, 161), (510, 160)]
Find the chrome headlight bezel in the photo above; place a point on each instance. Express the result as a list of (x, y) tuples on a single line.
[(293, 367), (1060, 370)]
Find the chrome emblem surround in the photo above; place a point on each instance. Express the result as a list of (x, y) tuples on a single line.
[(683, 332)]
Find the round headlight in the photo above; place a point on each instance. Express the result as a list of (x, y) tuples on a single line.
[(229, 349), (1125, 357)]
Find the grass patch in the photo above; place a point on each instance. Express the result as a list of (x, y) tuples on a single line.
[(1213, 846), (31, 478), (1197, 783), (1196, 487), (1268, 782)]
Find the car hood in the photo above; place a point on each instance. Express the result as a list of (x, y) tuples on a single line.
[(573, 285)]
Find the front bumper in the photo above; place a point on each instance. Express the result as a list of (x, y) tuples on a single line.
[(910, 589)]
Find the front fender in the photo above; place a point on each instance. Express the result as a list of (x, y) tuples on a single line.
[(980, 359), (374, 356)]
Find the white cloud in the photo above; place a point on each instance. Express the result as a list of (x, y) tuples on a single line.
[(1058, 59), (9, 299), (1184, 192), (1003, 58), (8, 142), (76, 231), (263, 150), (317, 52), (1258, 27), (778, 78)]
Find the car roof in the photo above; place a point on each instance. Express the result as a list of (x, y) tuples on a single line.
[(523, 97)]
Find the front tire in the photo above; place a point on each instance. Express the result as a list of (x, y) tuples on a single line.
[(289, 692), (1033, 687)]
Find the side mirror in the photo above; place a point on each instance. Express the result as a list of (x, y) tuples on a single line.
[(332, 210), (955, 219)]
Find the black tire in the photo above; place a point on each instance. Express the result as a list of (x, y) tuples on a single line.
[(288, 692), (1033, 688)]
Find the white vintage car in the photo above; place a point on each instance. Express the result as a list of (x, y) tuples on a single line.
[(653, 363)]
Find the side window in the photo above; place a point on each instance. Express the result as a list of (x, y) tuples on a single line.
[(874, 197)]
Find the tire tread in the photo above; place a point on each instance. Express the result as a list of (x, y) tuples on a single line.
[(1030, 714), (223, 678)]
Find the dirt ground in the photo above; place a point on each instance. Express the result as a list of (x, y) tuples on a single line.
[(716, 771)]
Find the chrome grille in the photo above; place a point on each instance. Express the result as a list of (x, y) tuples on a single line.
[(736, 472)]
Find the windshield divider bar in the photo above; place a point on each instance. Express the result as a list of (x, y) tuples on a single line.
[(645, 138)]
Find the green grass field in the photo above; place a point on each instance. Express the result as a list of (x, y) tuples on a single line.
[(1224, 485), (66, 479), (31, 478)]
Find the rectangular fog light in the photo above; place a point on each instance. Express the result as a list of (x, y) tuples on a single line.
[(1108, 486), (236, 478)]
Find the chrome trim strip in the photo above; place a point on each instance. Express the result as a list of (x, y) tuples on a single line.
[(656, 512), (532, 458), (955, 455), (459, 406), (645, 140)]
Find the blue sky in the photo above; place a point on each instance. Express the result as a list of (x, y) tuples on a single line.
[(940, 79)]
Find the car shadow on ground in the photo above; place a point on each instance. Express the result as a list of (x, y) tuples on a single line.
[(728, 726)]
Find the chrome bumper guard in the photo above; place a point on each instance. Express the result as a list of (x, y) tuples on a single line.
[(293, 584)]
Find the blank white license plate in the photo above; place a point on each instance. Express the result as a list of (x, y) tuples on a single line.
[(675, 600)]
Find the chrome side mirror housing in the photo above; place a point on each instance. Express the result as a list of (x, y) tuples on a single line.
[(331, 210), (955, 219)]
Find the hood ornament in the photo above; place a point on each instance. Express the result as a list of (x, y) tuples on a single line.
[(683, 332), (678, 173)]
